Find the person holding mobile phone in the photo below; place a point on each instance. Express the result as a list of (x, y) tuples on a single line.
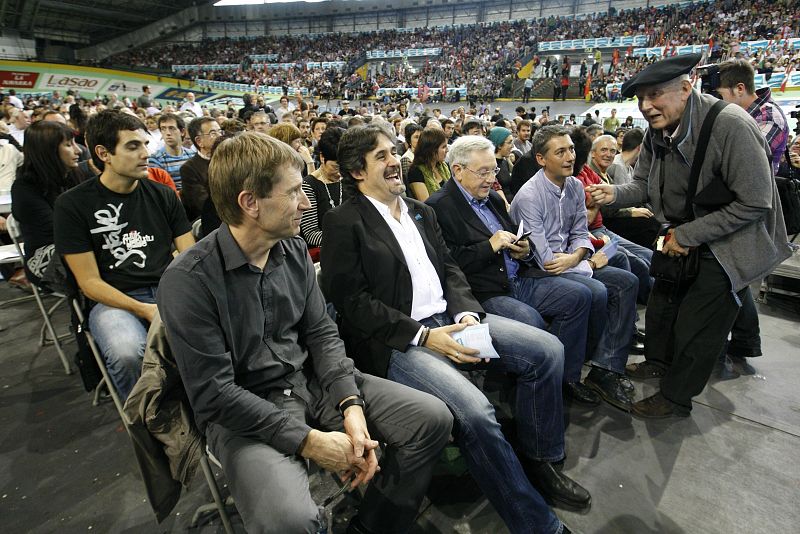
[(482, 238)]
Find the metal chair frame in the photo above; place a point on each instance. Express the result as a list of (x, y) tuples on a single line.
[(47, 313)]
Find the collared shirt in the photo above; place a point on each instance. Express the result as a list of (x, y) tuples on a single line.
[(492, 223), (240, 334), (556, 218), (428, 297), (772, 123)]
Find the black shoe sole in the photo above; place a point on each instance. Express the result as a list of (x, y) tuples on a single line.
[(567, 505), (610, 400)]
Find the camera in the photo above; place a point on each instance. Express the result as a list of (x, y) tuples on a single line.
[(793, 115), (709, 79)]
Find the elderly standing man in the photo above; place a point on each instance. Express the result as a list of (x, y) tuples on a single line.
[(733, 224), (192, 105)]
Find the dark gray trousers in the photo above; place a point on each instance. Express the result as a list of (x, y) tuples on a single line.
[(271, 488), (687, 328)]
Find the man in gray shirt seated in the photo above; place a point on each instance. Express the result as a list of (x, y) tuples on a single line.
[(265, 371)]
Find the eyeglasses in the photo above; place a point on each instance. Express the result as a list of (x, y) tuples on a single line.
[(213, 133), (485, 175)]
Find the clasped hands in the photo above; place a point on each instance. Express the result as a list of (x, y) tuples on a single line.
[(347, 453)]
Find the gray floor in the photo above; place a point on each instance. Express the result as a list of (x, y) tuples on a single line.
[(732, 467)]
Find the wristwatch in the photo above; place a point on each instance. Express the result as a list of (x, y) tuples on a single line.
[(355, 401)]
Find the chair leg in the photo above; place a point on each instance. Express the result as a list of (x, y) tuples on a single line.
[(48, 326), (17, 300), (212, 485), (98, 390)]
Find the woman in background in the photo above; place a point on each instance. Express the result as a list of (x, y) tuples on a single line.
[(51, 156)]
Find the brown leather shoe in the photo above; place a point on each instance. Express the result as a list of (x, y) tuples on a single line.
[(644, 370), (658, 407), (19, 280)]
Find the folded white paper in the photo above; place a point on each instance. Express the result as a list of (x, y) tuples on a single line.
[(477, 337)]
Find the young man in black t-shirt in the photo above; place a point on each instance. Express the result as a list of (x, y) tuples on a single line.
[(116, 233)]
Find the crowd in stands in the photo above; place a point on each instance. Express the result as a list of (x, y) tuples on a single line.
[(478, 56), (484, 58)]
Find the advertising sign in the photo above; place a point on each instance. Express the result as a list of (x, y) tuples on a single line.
[(130, 88), (67, 81), (24, 80), (174, 93)]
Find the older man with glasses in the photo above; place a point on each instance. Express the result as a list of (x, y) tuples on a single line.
[(499, 267), (204, 133)]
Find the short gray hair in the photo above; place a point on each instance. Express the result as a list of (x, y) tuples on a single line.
[(602, 138), (462, 149)]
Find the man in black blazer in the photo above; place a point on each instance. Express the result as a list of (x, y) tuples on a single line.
[(481, 237), (387, 270)]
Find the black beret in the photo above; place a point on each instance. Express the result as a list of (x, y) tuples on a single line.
[(661, 72)]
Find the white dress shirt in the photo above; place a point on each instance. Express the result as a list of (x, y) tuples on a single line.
[(428, 296)]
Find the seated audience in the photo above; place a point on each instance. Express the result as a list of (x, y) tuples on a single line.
[(50, 157), (411, 133), (429, 170), (116, 233), (291, 135), (400, 296), (173, 155), (265, 372), (553, 208), (323, 188), (629, 256), (203, 131), (634, 224), (503, 143), (481, 237)]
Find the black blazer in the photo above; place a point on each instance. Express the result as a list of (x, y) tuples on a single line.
[(468, 239), (365, 277)]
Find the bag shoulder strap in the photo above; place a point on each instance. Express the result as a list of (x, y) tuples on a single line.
[(700, 151)]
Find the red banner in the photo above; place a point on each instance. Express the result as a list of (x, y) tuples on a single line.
[(23, 80)]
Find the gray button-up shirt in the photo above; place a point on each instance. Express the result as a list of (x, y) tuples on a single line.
[(239, 334)]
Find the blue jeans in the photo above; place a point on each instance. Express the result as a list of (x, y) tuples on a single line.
[(613, 295), (564, 302), (121, 336), (639, 259), (536, 359)]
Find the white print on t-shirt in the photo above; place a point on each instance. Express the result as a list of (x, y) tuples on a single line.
[(121, 248)]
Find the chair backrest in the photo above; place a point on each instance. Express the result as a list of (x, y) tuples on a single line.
[(7, 255)]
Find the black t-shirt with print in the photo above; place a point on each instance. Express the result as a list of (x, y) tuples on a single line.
[(131, 234)]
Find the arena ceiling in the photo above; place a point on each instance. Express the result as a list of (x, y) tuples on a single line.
[(85, 22)]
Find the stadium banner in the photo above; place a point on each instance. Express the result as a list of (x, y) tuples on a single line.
[(30, 77), (660, 51), (18, 80), (263, 57), (309, 65), (214, 66), (599, 42), (408, 52), (414, 91), (755, 46)]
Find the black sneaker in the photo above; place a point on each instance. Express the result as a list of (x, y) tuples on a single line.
[(608, 385)]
